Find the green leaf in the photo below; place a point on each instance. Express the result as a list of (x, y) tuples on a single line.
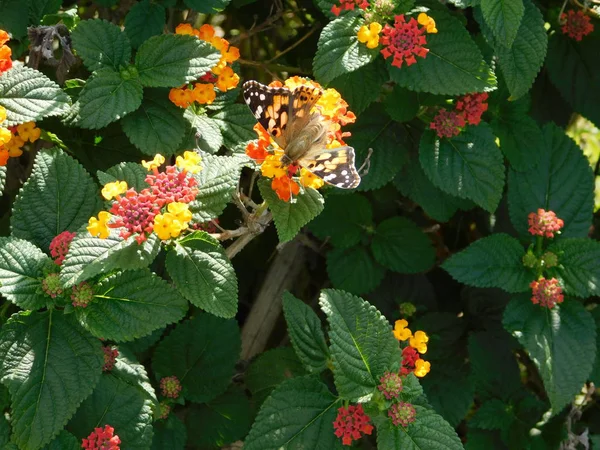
[(358, 217), (13, 17), (133, 173), (157, 126), (101, 44), (2, 179), (361, 87), (64, 441), (493, 415), (59, 195), (297, 415), (203, 132), (107, 97), (521, 62), (89, 256), (144, 20), (21, 269), (354, 270), (338, 50), (124, 399), (375, 130), (562, 182), (203, 274), (578, 269), (401, 246), (270, 369), (504, 18), (493, 261), (401, 104), (221, 421), (49, 365), (429, 432), (217, 181), (557, 340), (306, 334), (362, 344), (236, 123), (290, 217), (203, 348), (207, 6), (169, 433), (29, 96), (131, 304), (40, 8), (595, 375), (170, 60), (469, 165), (453, 65)]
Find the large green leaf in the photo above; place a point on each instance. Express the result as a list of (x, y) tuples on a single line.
[(203, 274), (101, 44), (169, 433), (202, 132), (306, 334), (354, 270), (14, 17), (562, 182), (298, 415), (579, 268), (236, 123), (504, 18), (207, 6), (493, 261), (453, 65), (59, 195), (64, 441), (338, 50), (107, 97), (170, 60), (361, 87), (362, 345), (203, 348), (28, 95), (401, 246), (144, 20), (134, 174), (49, 365), (469, 165), (21, 268), (560, 341), (131, 304)]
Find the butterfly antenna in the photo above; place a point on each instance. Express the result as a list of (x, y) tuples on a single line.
[(366, 165)]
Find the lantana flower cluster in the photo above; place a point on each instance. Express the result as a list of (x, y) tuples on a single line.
[(287, 178), (59, 247), (417, 344), (5, 52), (12, 139), (162, 208), (576, 24), (351, 424), (221, 77), (401, 413), (102, 439), (468, 109), (170, 386), (110, 358)]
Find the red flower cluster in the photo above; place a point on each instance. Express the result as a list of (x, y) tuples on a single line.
[(469, 109), (60, 246), (391, 385), (135, 213), (546, 293), (576, 24), (172, 186), (544, 223), (82, 294), (170, 387), (351, 423), (102, 439), (409, 358), (402, 413), (349, 5), (110, 357), (448, 123), (472, 106), (404, 40)]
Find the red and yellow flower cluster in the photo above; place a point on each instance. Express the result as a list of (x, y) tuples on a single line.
[(162, 208), (468, 109), (417, 343), (102, 439), (576, 24), (5, 52), (351, 423), (221, 77), (287, 178), (12, 139)]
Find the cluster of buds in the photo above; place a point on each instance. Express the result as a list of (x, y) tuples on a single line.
[(110, 358), (162, 208), (221, 77), (170, 387), (417, 344), (468, 110)]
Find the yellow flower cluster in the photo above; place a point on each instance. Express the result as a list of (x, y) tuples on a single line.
[(173, 222), (12, 141), (417, 341)]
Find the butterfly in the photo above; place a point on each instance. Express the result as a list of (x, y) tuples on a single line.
[(301, 133)]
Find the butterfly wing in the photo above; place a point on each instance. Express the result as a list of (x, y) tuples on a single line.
[(270, 106), (335, 166)]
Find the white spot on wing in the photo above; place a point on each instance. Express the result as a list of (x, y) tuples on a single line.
[(262, 97)]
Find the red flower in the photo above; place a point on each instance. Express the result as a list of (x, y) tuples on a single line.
[(102, 439), (350, 423), (472, 106), (404, 41), (172, 186), (576, 24), (546, 293), (402, 413), (349, 5), (391, 385), (60, 246), (110, 356), (447, 123), (135, 212), (170, 387), (544, 223), (409, 358)]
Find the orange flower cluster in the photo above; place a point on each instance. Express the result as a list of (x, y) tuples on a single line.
[(287, 178), (5, 52), (12, 139), (221, 77)]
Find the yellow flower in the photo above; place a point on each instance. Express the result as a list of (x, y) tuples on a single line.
[(2, 114), (5, 135), (111, 190), (427, 22), (272, 166), (422, 367), (400, 331), (155, 163), (419, 341), (167, 226), (370, 35), (181, 212), (98, 227), (29, 132), (309, 179), (14, 146), (204, 93), (227, 79), (189, 162)]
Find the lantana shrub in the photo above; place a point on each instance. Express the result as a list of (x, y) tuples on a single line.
[(180, 269)]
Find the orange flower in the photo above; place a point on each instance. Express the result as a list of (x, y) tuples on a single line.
[(185, 28), (29, 132), (4, 37), (232, 54), (227, 80), (427, 22), (205, 32), (181, 97), (204, 93), (285, 187), (3, 156), (5, 61)]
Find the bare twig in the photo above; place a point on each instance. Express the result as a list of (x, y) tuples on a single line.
[(295, 44)]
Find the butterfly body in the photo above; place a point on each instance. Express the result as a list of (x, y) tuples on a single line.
[(301, 132)]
